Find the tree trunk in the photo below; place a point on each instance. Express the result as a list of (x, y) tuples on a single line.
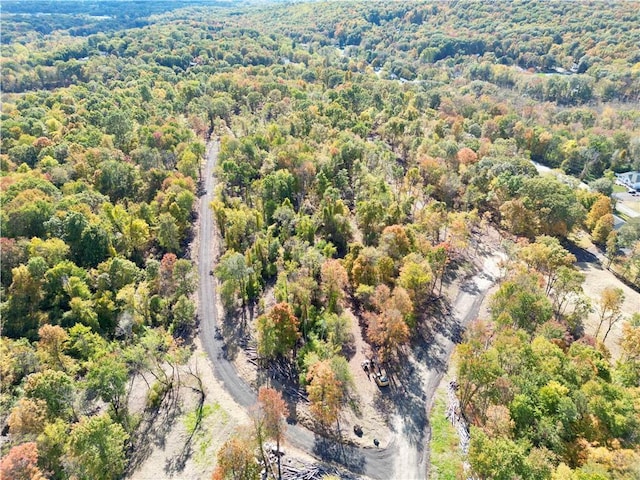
[(604, 339), (340, 438), (599, 327), (265, 460), (279, 458), (612, 322)]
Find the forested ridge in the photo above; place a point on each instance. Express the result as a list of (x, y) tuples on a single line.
[(365, 148)]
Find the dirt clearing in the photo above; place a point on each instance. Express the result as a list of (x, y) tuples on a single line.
[(165, 450)]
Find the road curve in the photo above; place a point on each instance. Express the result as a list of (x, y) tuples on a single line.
[(373, 462)]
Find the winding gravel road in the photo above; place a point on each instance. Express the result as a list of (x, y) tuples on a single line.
[(207, 311), (404, 457)]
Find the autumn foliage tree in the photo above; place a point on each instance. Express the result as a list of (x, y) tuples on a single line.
[(277, 332), (325, 392), (521, 302), (547, 256), (236, 459), (603, 228), (466, 156), (600, 208), (389, 332), (21, 463), (609, 310), (387, 327), (629, 363), (51, 347), (274, 411), (334, 281), (28, 417), (416, 277), (55, 388)]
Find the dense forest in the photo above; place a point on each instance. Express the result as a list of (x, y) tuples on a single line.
[(364, 148)]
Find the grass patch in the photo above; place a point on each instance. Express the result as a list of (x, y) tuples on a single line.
[(619, 189), (446, 460), (202, 454), (208, 410), (217, 411), (623, 216), (582, 241), (214, 418), (191, 419)]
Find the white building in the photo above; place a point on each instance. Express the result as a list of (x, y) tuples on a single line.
[(630, 179)]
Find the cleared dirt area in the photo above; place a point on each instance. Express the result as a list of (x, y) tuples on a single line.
[(365, 393), (360, 409), (166, 448), (598, 277)]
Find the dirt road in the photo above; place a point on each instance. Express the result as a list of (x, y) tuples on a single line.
[(207, 312), (404, 457)]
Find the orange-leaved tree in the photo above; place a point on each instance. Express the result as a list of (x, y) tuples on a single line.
[(325, 392), (21, 463), (334, 281), (274, 411), (237, 459), (278, 331)]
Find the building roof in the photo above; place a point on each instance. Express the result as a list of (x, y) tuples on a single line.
[(629, 176)]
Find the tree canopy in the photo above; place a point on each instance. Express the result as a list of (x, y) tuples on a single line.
[(363, 146)]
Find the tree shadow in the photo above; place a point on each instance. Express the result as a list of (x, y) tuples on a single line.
[(470, 287), (153, 430), (282, 375), (236, 333), (436, 320), (349, 349), (483, 249), (332, 450), (409, 400), (177, 463), (383, 402), (452, 272), (582, 255)]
